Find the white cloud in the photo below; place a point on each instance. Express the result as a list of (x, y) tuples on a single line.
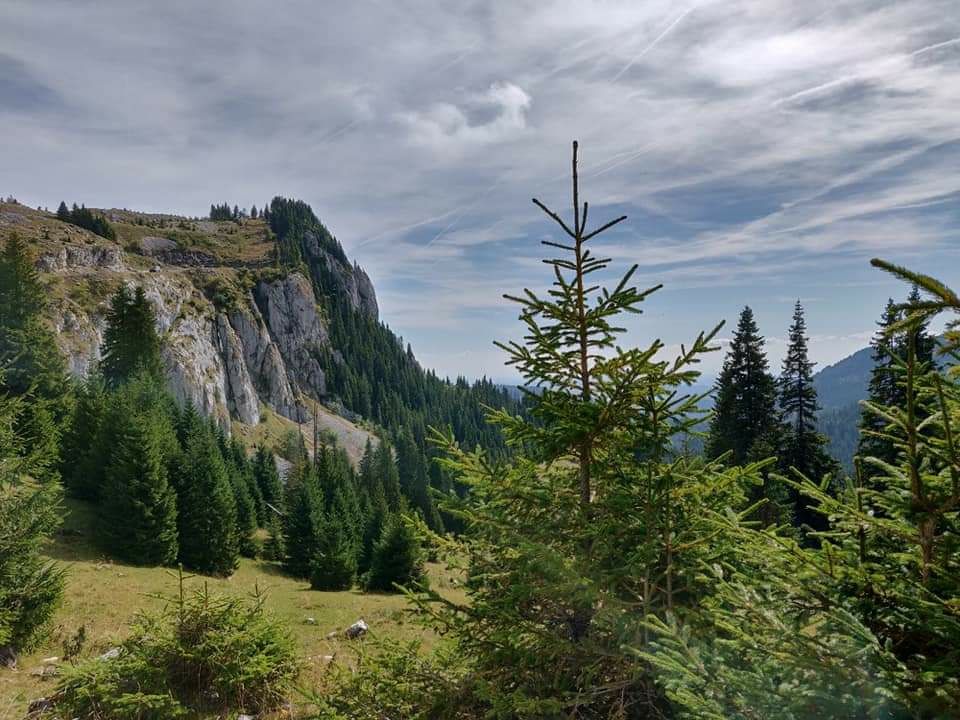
[(446, 127), (746, 139)]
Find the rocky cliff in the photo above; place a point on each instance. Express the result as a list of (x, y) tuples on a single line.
[(240, 335)]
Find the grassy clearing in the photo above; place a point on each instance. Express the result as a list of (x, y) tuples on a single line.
[(102, 596)]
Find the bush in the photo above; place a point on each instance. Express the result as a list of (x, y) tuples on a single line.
[(397, 680), (200, 654)]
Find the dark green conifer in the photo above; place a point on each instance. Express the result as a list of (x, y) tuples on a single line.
[(138, 521), (131, 344), (81, 460), (414, 480), (32, 586), (882, 390), (397, 558), (334, 565), (745, 413), (802, 448), (28, 352), (208, 511), (303, 521), (268, 479)]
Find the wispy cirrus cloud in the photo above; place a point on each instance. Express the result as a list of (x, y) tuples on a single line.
[(762, 148)]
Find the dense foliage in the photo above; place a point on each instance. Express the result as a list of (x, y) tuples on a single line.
[(375, 376), (608, 577), (203, 654), (865, 626), (131, 344), (31, 384), (31, 587)]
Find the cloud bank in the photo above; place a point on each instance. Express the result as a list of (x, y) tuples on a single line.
[(763, 149)]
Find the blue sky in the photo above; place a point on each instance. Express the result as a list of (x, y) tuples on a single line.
[(763, 150)]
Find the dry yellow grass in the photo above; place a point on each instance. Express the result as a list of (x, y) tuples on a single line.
[(103, 596)]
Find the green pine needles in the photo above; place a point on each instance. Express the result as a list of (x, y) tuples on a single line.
[(594, 525)]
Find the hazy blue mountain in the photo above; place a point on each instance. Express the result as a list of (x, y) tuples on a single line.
[(845, 382)]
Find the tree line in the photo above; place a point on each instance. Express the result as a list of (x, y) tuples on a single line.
[(82, 217), (376, 376)]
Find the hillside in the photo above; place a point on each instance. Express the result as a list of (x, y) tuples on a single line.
[(263, 321), (102, 597), (845, 382), (242, 338)]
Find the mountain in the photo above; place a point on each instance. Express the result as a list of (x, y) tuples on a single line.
[(840, 388), (845, 382), (266, 323)]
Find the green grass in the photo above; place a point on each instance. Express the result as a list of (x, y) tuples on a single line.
[(103, 596)]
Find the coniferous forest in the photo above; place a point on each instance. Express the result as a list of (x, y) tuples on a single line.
[(612, 543)]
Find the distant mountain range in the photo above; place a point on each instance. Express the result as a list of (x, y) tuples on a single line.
[(844, 382)]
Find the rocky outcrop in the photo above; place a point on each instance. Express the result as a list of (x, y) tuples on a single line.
[(264, 363), (290, 311), (242, 400), (195, 370), (228, 363), (68, 257), (351, 281)]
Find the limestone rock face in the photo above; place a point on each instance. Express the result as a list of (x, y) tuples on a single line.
[(265, 349), (290, 311), (196, 372), (242, 400), (264, 363), (75, 256), (352, 281)]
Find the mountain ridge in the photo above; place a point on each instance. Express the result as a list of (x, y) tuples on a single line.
[(242, 337)]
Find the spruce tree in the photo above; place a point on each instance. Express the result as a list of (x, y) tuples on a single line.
[(246, 508), (82, 458), (385, 470), (594, 528), (131, 344), (334, 563), (303, 521), (397, 559), (138, 514), (414, 481), (208, 511), (28, 351), (274, 547), (63, 212), (890, 344), (802, 448), (32, 586), (268, 480), (865, 625), (746, 395)]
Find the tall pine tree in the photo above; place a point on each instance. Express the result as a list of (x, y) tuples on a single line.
[(138, 510), (32, 586), (208, 512), (802, 448), (745, 422)]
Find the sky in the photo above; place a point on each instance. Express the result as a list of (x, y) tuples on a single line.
[(763, 150)]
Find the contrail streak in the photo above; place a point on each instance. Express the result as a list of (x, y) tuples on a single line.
[(652, 45), (860, 76), (936, 46)]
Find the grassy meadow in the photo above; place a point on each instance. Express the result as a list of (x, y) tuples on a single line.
[(102, 596)]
